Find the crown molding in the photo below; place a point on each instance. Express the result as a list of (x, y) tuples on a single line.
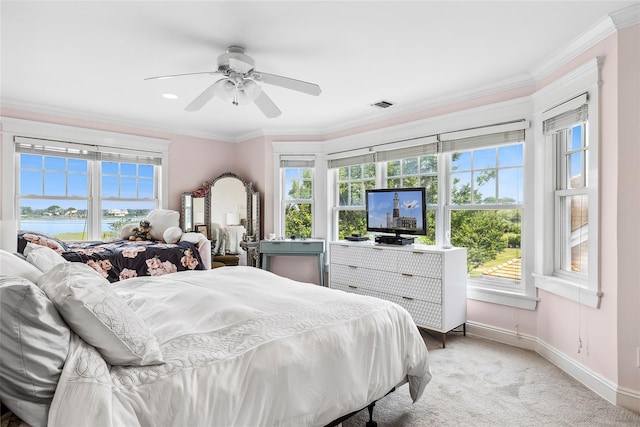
[(109, 120), (600, 31)]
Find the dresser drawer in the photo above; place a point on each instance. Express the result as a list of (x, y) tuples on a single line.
[(423, 313), (419, 263), (345, 255), (275, 247), (424, 288)]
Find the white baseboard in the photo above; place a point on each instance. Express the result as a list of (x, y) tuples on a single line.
[(606, 389)]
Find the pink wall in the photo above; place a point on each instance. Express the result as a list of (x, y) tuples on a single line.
[(628, 207)]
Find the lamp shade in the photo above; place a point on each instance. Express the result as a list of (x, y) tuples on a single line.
[(233, 218), (224, 88)]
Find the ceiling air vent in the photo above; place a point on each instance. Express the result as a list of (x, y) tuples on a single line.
[(382, 104)]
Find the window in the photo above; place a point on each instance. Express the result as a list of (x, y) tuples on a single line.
[(572, 200), (486, 194), (353, 181), (297, 197), (566, 169), (78, 192)]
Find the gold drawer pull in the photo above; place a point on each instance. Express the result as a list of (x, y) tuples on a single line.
[(377, 249), (417, 253), (408, 298), (353, 266), (353, 287), (407, 275)]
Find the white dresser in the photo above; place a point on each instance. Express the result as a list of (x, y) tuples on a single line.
[(428, 281)]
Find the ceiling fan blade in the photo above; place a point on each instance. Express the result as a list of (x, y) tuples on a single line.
[(180, 75), (266, 105), (202, 99), (289, 83)]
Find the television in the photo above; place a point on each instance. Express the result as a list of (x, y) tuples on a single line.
[(396, 211)]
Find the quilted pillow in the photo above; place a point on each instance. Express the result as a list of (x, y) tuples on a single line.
[(99, 316), (160, 220), (42, 257), (12, 265), (34, 341)]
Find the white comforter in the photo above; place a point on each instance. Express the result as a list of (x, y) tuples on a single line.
[(244, 347)]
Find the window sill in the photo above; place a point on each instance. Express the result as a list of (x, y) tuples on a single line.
[(507, 298), (572, 290)]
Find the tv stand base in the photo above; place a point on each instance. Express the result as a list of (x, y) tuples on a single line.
[(394, 240)]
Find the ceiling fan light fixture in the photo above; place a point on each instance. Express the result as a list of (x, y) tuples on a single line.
[(224, 88)]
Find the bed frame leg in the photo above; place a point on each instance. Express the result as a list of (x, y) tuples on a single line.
[(371, 423)]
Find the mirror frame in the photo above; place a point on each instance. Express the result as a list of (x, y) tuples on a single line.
[(252, 203)]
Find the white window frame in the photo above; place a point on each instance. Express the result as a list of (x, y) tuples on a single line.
[(552, 100), (292, 150), (286, 201), (111, 141)]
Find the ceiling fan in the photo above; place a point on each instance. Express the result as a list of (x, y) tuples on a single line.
[(240, 83)]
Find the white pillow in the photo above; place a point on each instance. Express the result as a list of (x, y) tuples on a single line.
[(34, 342), (194, 238), (42, 257), (160, 220), (172, 235), (12, 265), (99, 316)]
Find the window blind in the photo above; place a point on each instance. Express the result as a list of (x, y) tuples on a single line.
[(297, 161), (84, 151), (567, 114), (352, 160), (474, 142), (468, 139), (405, 152)]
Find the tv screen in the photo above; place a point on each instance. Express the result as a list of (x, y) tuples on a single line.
[(396, 210)]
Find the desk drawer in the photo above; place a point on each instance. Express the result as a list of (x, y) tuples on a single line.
[(275, 247), (302, 246)]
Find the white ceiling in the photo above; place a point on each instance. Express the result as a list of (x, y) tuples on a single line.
[(88, 59)]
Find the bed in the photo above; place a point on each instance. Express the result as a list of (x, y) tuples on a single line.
[(224, 347), (169, 251)]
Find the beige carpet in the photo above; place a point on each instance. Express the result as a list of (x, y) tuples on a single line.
[(478, 382)]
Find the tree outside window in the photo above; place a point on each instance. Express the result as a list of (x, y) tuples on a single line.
[(486, 190), (298, 203)]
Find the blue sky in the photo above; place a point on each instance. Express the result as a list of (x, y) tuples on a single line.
[(57, 176)]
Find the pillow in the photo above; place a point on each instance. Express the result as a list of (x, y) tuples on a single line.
[(194, 238), (34, 341), (99, 316), (127, 231), (172, 234), (42, 257), (39, 238), (160, 220), (12, 265)]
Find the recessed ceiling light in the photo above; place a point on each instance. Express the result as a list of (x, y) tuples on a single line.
[(169, 96)]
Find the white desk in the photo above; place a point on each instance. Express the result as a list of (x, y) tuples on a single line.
[(288, 247)]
